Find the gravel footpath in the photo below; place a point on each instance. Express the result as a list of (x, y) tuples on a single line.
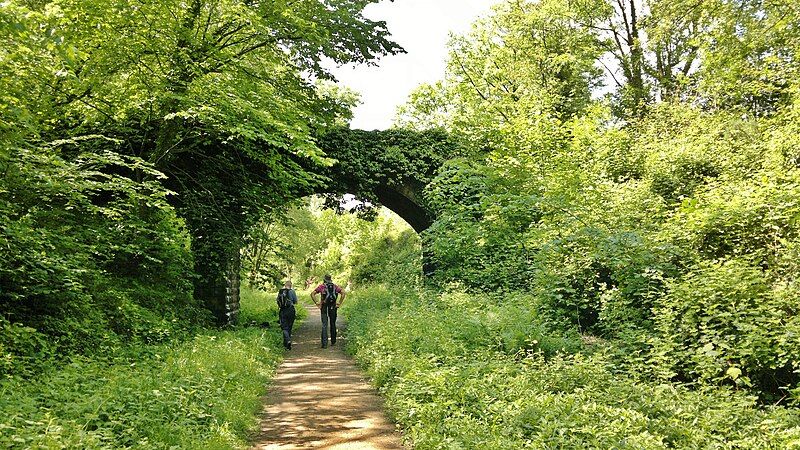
[(320, 399)]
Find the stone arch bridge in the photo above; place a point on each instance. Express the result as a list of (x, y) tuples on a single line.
[(388, 168)]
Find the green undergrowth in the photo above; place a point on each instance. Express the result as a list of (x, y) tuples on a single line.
[(461, 372), (199, 394)]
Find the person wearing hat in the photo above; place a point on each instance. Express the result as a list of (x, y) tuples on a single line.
[(331, 298), (287, 298)]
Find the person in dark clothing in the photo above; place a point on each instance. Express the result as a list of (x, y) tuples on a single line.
[(331, 298), (287, 298)]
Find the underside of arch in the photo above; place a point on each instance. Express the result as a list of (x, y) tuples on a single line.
[(404, 206)]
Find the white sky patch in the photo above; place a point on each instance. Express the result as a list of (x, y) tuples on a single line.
[(422, 28)]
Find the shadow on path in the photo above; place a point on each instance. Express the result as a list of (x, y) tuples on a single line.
[(320, 399)]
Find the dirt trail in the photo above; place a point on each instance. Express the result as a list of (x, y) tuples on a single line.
[(321, 400)]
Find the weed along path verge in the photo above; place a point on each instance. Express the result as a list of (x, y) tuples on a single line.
[(321, 400)]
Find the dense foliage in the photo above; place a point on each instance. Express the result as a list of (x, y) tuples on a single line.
[(201, 393), (463, 369), (139, 141), (92, 259), (663, 214)]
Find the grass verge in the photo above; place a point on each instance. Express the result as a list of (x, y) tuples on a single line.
[(199, 394)]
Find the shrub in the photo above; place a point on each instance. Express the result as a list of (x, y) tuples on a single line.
[(723, 324), (83, 237), (22, 349)]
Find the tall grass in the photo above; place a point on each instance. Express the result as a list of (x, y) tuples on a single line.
[(199, 394)]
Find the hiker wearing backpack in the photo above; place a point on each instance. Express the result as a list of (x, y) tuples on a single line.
[(331, 298), (287, 298)]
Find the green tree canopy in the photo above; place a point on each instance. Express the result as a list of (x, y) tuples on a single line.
[(106, 103)]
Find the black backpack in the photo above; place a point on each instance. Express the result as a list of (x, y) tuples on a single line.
[(330, 294), (284, 300)]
